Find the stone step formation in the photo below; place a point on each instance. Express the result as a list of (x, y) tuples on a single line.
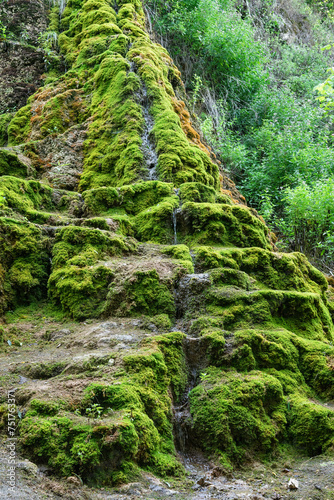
[(113, 207)]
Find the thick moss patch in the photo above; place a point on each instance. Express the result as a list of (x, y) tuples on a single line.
[(237, 415), (118, 426), (78, 271), (24, 263), (11, 165)]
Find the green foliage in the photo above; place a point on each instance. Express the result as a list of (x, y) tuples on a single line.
[(220, 40), (309, 218), (254, 93)]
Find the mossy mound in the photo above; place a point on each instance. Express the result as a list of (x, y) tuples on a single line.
[(117, 426), (237, 414), (25, 263), (4, 122), (11, 165), (78, 271)]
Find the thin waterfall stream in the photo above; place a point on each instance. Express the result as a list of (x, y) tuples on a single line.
[(150, 155), (176, 211), (189, 291), (148, 146), (174, 218)]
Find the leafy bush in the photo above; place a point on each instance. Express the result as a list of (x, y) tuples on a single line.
[(220, 41), (310, 218), (251, 70)]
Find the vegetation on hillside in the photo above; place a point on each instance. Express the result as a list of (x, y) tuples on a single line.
[(252, 68)]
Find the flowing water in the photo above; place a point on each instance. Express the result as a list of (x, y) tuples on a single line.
[(175, 212), (150, 155), (148, 146)]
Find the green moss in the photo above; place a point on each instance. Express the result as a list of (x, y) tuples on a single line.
[(166, 465), (134, 198), (45, 408), (215, 342), (143, 293), (272, 270), (270, 349), (161, 321), (44, 370), (208, 258), (26, 197), (197, 192), (24, 263), (78, 273), (182, 254), (234, 277), (4, 122), (316, 365), (20, 126), (207, 223), (71, 446), (204, 322), (11, 165), (224, 199), (113, 148), (262, 317), (148, 367), (237, 415), (171, 345), (311, 426), (97, 41), (302, 313), (182, 157), (155, 223), (142, 396)]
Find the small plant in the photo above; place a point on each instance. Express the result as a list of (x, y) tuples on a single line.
[(24, 36), (49, 43), (198, 86), (3, 34), (94, 411)]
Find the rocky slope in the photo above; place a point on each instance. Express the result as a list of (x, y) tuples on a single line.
[(144, 303)]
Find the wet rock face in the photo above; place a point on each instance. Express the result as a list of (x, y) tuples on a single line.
[(25, 19), (189, 293), (62, 158), (21, 60)]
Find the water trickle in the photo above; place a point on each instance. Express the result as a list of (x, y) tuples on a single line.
[(174, 226), (174, 217), (150, 155), (195, 360)]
